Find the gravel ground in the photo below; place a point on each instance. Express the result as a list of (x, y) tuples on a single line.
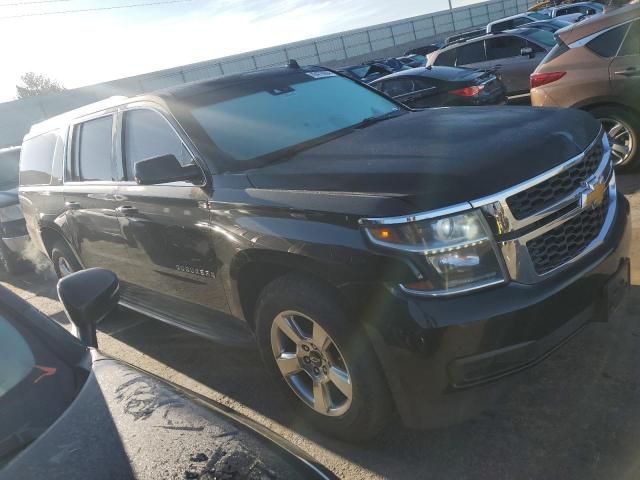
[(575, 415)]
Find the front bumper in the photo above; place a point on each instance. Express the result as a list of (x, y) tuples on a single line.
[(434, 349)]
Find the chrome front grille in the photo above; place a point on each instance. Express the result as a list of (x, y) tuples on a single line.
[(527, 202), (545, 224), (563, 243)]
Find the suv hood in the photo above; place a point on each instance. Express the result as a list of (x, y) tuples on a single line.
[(438, 157)]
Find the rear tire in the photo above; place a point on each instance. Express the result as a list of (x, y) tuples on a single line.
[(362, 412), (623, 128), (64, 261)]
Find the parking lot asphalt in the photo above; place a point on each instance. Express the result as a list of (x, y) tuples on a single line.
[(576, 415)]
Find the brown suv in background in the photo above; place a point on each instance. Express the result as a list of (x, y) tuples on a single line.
[(596, 67)]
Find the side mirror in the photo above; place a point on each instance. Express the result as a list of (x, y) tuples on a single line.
[(527, 52), (165, 169), (88, 296)]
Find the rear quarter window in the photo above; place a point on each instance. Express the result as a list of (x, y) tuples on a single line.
[(631, 45), (91, 150), (608, 44), (471, 53), (560, 49), (36, 159), (447, 58)]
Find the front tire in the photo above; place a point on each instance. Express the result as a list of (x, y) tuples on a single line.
[(623, 129), (323, 358), (64, 261)]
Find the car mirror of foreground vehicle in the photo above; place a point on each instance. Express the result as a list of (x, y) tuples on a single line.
[(165, 169), (527, 52), (88, 296)]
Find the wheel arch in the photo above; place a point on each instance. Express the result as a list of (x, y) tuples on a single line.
[(599, 102), (51, 235), (251, 272)]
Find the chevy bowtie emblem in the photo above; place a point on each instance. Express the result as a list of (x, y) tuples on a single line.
[(593, 195)]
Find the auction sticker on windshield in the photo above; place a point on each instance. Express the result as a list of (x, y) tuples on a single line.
[(321, 74)]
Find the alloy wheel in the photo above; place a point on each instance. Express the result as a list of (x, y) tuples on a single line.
[(311, 363), (620, 138)]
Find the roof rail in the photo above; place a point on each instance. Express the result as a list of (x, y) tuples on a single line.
[(53, 122)]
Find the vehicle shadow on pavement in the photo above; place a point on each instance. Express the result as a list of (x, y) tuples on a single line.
[(629, 183), (573, 416)]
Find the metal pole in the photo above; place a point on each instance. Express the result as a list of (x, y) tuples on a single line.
[(453, 20)]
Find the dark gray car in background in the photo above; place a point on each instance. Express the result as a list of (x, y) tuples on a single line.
[(515, 54), (13, 232)]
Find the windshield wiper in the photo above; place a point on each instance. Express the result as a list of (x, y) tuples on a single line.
[(367, 122)]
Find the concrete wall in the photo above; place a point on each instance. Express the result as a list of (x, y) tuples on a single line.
[(352, 47)]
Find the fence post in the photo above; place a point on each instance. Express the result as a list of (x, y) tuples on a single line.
[(315, 45)]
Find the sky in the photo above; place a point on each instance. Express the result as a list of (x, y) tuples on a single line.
[(84, 48)]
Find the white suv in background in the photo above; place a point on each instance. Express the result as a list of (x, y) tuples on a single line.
[(515, 21), (13, 233)]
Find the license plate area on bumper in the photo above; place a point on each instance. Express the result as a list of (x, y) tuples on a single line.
[(615, 290)]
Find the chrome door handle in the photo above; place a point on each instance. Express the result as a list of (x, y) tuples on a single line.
[(629, 72), (127, 210), (72, 205)]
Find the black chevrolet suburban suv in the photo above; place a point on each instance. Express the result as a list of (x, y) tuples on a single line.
[(385, 260)]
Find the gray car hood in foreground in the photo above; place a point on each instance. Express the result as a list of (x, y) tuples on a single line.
[(127, 424)]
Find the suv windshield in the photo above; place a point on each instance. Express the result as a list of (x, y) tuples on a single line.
[(302, 108), (9, 169)]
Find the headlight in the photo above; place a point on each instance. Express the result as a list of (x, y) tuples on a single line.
[(455, 252)]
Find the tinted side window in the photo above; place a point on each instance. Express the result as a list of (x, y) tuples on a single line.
[(471, 53), (504, 47), (397, 87), (631, 45), (447, 58), (36, 160), (91, 154), (147, 134), (607, 44), (425, 83), (9, 161), (58, 161), (499, 27)]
